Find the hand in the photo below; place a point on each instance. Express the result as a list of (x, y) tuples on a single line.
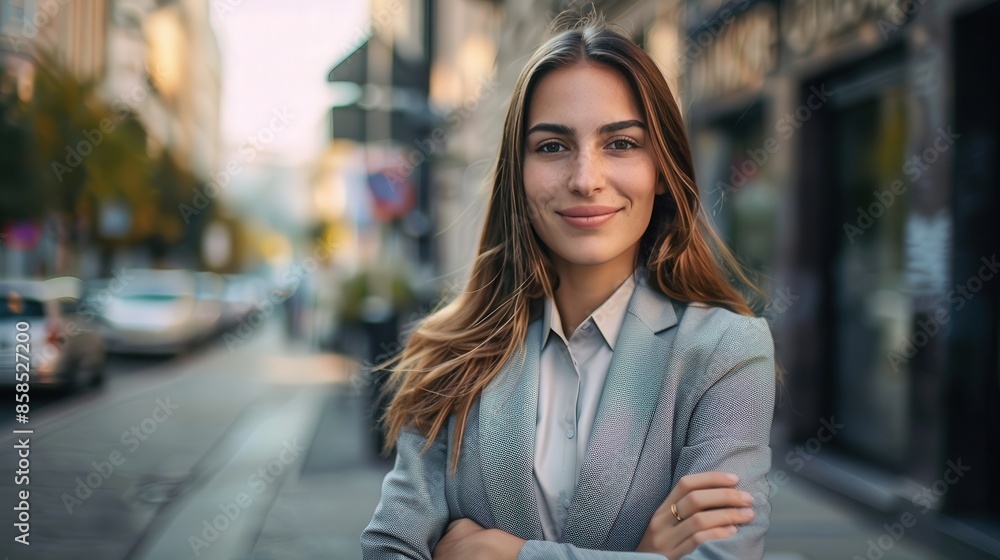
[(464, 538), (711, 508)]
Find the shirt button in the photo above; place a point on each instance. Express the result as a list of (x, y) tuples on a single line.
[(586, 326), (566, 503), (570, 433)]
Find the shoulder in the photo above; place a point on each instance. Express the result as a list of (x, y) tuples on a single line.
[(717, 348), (699, 323), (711, 322), (719, 337)]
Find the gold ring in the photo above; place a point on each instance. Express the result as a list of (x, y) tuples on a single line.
[(673, 510)]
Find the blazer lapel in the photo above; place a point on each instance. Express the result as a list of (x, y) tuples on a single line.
[(508, 410), (631, 391)]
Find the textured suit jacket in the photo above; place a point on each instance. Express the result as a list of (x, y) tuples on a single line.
[(690, 389)]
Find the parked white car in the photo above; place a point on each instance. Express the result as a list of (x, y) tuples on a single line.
[(158, 312), (61, 347)]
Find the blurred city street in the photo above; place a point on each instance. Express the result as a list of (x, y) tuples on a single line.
[(216, 215)]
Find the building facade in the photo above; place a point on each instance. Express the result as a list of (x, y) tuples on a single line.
[(134, 82), (163, 64)]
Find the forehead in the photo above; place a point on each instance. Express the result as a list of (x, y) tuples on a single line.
[(583, 96)]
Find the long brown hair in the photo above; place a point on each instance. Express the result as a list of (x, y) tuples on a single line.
[(459, 348)]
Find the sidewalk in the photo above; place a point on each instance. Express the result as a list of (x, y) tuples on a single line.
[(808, 523), (320, 514)]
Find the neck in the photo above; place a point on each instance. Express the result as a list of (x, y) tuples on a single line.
[(583, 288)]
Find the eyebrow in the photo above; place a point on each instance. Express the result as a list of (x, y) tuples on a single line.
[(569, 131)]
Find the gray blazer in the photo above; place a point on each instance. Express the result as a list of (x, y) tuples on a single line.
[(690, 389)]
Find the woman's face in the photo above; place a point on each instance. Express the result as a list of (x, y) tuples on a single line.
[(589, 172)]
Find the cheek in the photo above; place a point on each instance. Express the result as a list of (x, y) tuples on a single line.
[(538, 193), (536, 210), (641, 205)]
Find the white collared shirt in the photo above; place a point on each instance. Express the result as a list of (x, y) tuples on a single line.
[(571, 380)]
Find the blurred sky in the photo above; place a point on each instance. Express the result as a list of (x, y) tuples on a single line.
[(277, 54)]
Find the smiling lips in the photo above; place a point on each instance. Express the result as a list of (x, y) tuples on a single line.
[(588, 216)]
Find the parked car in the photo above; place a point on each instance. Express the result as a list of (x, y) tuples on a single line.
[(157, 312), (62, 348)]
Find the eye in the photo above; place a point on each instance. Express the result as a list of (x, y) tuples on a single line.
[(550, 148), (623, 144)]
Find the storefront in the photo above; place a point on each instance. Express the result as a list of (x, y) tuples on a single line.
[(839, 163)]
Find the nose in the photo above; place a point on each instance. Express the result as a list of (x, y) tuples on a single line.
[(586, 174)]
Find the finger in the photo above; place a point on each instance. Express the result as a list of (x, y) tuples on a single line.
[(699, 481), (712, 479), (677, 531), (714, 519), (701, 500), (673, 534)]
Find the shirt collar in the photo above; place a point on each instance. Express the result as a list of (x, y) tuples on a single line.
[(609, 316)]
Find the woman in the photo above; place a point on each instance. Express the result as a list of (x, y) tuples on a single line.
[(600, 390)]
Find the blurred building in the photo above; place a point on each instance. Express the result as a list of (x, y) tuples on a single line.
[(164, 66), (163, 63), (73, 36), (136, 83), (846, 151), (382, 149), (75, 32), (382, 126)]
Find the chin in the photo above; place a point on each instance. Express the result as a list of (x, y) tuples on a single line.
[(589, 258), (590, 250)]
